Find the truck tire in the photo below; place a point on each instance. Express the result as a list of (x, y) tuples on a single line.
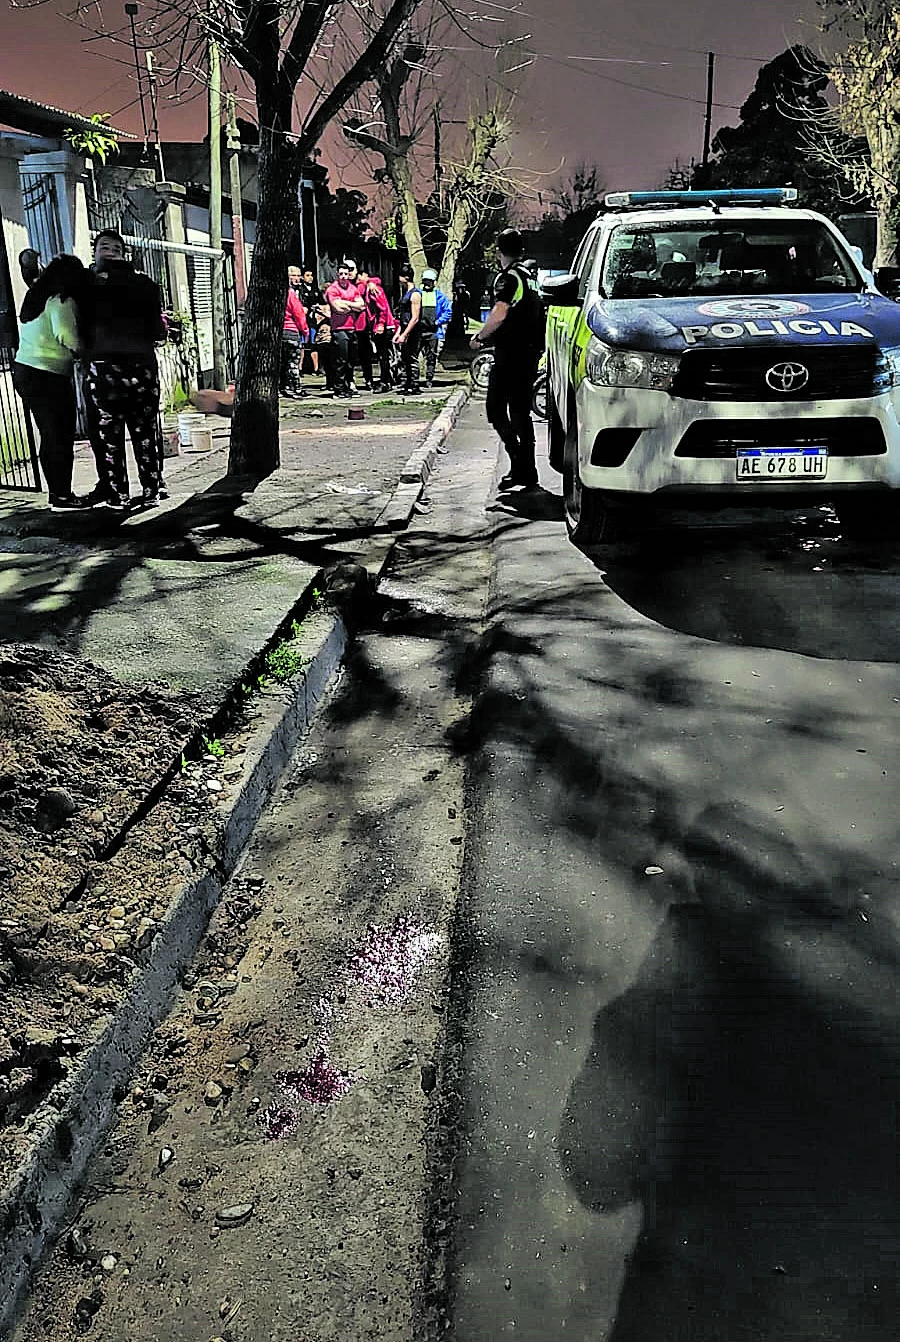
[(588, 519)]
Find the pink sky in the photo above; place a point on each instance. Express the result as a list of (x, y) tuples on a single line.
[(571, 106)]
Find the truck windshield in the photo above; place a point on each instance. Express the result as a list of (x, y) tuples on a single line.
[(764, 256)]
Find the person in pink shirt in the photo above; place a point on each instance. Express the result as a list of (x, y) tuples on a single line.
[(363, 326), (382, 325), (296, 331), (346, 304)]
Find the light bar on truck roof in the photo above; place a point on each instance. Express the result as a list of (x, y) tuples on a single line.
[(744, 195)]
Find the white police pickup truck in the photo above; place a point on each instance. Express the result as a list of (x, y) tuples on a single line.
[(720, 347)]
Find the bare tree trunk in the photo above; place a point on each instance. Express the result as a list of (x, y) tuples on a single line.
[(401, 180), (470, 188), (254, 430)]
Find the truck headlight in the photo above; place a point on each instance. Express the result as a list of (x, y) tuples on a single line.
[(607, 366)]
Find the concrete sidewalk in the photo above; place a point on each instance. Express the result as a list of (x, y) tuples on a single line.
[(187, 593)]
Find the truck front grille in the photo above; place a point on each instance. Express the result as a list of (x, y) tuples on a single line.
[(715, 439), (836, 372)]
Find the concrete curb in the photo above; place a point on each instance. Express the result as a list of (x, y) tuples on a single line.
[(37, 1199), (418, 468), (35, 1203)]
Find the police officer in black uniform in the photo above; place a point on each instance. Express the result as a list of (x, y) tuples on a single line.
[(514, 329)]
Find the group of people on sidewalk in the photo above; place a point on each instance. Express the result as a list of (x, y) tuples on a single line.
[(352, 324), (109, 318)]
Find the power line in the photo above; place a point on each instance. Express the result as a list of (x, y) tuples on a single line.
[(642, 88)]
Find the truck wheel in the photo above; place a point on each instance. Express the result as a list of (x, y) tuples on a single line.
[(588, 520)]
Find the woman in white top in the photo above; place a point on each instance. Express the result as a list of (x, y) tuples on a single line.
[(49, 343)]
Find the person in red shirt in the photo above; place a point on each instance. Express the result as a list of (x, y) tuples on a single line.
[(346, 304), (296, 331), (382, 324), (364, 350)]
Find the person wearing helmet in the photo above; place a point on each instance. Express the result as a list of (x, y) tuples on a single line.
[(436, 310)]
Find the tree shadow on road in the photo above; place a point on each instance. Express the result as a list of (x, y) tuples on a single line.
[(745, 1089)]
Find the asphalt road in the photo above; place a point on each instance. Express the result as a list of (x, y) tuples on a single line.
[(680, 1021)]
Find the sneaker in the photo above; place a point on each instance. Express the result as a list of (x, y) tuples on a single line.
[(369, 386), (67, 503), (107, 498), (352, 390), (150, 498)]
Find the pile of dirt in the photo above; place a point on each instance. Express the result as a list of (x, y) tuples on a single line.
[(81, 755)]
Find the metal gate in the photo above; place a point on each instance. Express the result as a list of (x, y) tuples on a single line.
[(41, 213), (18, 453)]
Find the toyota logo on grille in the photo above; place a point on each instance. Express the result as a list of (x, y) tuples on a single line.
[(787, 377)]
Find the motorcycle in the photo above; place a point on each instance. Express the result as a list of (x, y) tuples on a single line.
[(480, 372)]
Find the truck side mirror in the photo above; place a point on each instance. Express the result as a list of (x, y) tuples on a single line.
[(561, 291)]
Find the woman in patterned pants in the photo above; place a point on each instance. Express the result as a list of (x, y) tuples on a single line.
[(124, 323), (122, 395)]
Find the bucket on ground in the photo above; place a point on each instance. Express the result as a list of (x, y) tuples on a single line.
[(188, 420), (202, 440)]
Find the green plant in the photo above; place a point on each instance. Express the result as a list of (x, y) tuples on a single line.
[(182, 345), (177, 399), (13, 446), (213, 746), (184, 763), (94, 143), (285, 660)]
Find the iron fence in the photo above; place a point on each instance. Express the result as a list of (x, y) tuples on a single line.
[(41, 214)]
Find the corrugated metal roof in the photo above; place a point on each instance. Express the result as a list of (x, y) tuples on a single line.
[(40, 119)]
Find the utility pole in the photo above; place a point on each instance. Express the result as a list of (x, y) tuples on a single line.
[(233, 144), (131, 10), (707, 124), (217, 285), (438, 170), (154, 123)]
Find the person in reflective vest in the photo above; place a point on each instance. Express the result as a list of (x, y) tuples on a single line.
[(514, 328), (436, 312)]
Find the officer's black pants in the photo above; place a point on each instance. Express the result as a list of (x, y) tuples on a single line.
[(508, 408)]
